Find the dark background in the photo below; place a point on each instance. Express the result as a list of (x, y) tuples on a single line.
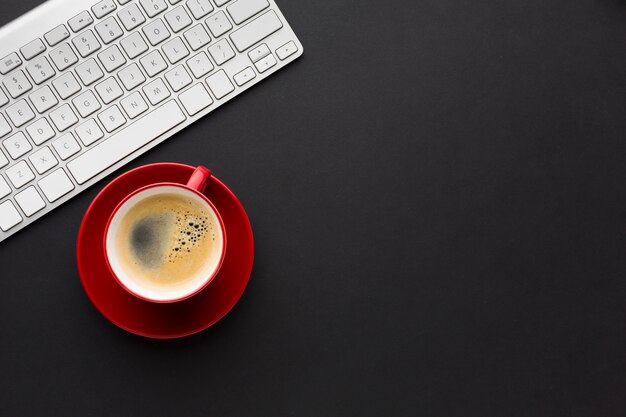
[(437, 194)]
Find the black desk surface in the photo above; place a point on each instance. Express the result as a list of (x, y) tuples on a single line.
[(438, 200)]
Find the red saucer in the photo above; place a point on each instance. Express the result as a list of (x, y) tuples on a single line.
[(164, 321)]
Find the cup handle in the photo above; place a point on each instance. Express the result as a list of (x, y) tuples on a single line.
[(199, 179)]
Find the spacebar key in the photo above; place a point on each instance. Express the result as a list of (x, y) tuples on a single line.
[(126, 141)]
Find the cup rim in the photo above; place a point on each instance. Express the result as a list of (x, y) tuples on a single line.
[(206, 281)]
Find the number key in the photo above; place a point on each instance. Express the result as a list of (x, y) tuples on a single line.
[(153, 7), (17, 84), (63, 57), (109, 30), (131, 17)]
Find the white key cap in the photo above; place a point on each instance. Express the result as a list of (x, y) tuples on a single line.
[(63, 117), (259, 52), (20, 174), (195, 99), (153, 7), (86, 43), (134, 105), (265, 63), (109, 30), (89, 132), (43, 99), (197, 37), (66, 146), (175, 50), (10, 62), (244, 76), (131, 17), (255, 31), (178, 19), (40, 69), (200, 65), (221, 2), (156, 91), (40, 131), (199, 8), (218, 24), (56, 185), (111, 58), (66, 85), (20, 113), (17, 84), (221, 51), (80, 21), (131, 76), (178, 78), (89, 72), (153, 63), (123, 2), (111, 118), (5, 190), (103, 8), (86, 103), (156, 32), (219, 84), (56, 35), (109, 90), (287, 50), (134, 45), (30, 201), (126, 141), (3, 98), (9, 216), (63, 56), (17, 145), (32, 48), (242, 10), (5, 127), (43, 160)]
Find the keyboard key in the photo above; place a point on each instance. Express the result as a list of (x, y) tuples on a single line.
[(5, 190), (9, 63), (218, 24), (3, 98), (131, 17), (219, 84), (123, 2), (103, 8), (178, 19), (20, 113), (242, 10), (89, 132), (287, 50), (111, 58), (221, 51), (5, 127), (17, 84), (89, 72), (126, 141), (109, 30), (40, 131), (195, 99), (153, 63), (32, 49), (20, 174), (109, 90), (86, 103), (66, 85), (40, 69), (80, 21), (17, 145), (244, 76), (200, 65), (86, 43), (63, 117), (255, 31), (156, 32), (199, 8), (30, 201), (265, 63), (66, 146), (156, 91), (153, 7), (175, 50), (56, 185), (56, 35), (259, 52), (197, 37), (43, 99), (134, 45), (178, 78), (43, 160), (111, 118), (131, 76), (134, 105), (221, 2), (63, 57), (9, 216)]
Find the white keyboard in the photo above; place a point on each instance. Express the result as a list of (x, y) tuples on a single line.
[(88, 86)]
